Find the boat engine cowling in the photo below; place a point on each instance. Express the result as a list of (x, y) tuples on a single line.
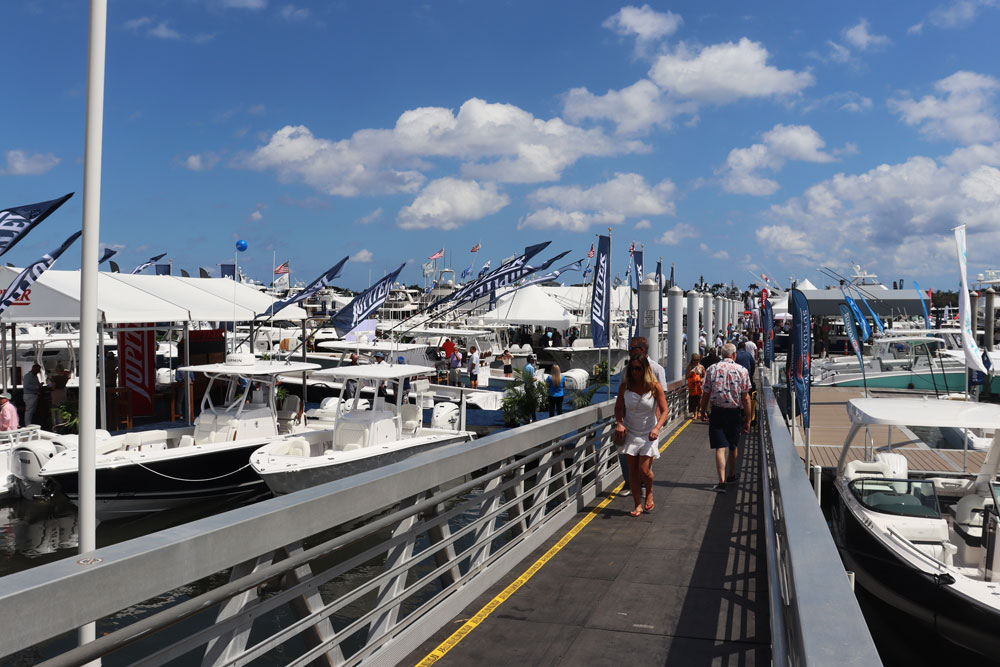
[(445, 416)]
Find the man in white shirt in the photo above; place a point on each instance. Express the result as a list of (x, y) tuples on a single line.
[(473, 367), (32, 389)]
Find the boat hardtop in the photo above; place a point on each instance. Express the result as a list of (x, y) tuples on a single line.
[(247, 365), (922, 412), (376, 372)]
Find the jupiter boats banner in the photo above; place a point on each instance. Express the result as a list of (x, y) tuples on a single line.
[(863, 328), (659, 294), (507, 274), (852, 336), (365, 304), (798, 355), (600, 299), (767, 325), (973, 355), (153, 260), (108, 254), (24, 280), (16, 222), (324, 280)]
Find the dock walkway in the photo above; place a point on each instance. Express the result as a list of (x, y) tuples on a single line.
[(685, 584)]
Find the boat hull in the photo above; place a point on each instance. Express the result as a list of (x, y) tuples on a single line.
[(953, 616), (290, 480), (126, 488)]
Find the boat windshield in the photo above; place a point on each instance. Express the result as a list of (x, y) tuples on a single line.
[(905, 497)]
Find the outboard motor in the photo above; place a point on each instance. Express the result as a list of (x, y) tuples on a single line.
[(26, 465), (445, 416)]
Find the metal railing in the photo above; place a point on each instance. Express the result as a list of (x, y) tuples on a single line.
[(368, 567), (815, 618)]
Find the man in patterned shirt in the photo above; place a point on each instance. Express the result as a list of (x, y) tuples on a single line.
[(727, 390)]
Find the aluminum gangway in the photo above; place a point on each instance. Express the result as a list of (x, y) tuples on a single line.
[(375, 568)]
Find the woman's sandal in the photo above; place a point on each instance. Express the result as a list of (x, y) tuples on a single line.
[(649, 508), (635, 513)]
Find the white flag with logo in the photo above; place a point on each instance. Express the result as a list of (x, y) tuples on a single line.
[(973, 355)]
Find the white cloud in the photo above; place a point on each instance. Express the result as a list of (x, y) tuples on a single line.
[(363, 255), (780, 144), (257, 110), (292, 13), (963, 112), (22, 163), (646, 24), (725, 72), (575, 208), (135, 24), (680, 231), (845, 101), (448, 203), (860, 38), (897, 216), (956, 14), (716, 254), (371, 217), (201, 161), (496, 142), (258, 213), (644, 224), (253, 5), (164, 31), (636, 108), (838, 52)]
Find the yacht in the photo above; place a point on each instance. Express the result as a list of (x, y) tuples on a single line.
[(147, 471), (357, 438), (928, 546), (898, 362)]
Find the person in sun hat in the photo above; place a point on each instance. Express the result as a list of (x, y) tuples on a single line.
[(8, 413)]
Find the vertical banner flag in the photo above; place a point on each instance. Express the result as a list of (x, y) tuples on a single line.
[(24, 280), (228, 270), (16, 222), (767, 323), (875, 317), (798, 356), (973, 355), (852, 336), (600, 299), (114, 267), (859, 318), (137, 367), (637, 258), (149, 262), (185, 274), (108, 254), (927, 320), (364, 305), (659, 296), (507, 274), (310, 289), (162, 269), (203, 272)]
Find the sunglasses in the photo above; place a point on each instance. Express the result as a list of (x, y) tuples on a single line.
[(635, 368)]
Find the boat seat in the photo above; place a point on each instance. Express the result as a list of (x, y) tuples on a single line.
[(108, 446), (411, 417), (132, 441), (293, 447), (350, 435), (186, 441), (970, 514), (289, 411), (859, 469), (420, 386)]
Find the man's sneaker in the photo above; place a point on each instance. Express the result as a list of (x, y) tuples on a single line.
[(732, 478), (719, 488)]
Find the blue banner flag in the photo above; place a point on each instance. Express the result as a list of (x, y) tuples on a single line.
[(323, 281), (799, 354), (30, 274), (637, 258), (878, 322), (466, 272), (108, 254), (863, 326), (659, 290), (507, 274), (364, 305), (600, 299), (162, 269), (847, 315), (767, 325), (587, 271), (228, 270), (153, 260), (16, 222), (927, 320), (483, 271)]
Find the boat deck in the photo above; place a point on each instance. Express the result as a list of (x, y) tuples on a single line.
[(684, 585), (830, 424)]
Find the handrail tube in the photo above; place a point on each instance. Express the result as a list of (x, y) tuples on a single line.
[(824, 622), (779, 644)]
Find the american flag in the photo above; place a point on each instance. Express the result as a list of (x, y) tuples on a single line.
[(632, 249), (476, 247), (590, 255), (281, 270), (766, 279), (438, 255)]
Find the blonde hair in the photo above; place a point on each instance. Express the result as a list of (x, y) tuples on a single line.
[(556, 375), (648, 377)]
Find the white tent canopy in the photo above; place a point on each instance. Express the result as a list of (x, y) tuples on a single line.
[(531, 306), (55, 297)]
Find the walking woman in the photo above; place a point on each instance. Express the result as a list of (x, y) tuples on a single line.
[(640, 412), (557, 386), (695, 374)]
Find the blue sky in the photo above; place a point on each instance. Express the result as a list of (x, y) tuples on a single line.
[(726, 137)]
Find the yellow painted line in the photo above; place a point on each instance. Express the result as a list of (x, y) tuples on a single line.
[(481, 615)]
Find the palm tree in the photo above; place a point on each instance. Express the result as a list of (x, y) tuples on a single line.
[(523, 399)]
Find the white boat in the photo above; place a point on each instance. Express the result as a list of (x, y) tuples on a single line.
[(358, 439), (899, 362), (148, 471), (928, 546)]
